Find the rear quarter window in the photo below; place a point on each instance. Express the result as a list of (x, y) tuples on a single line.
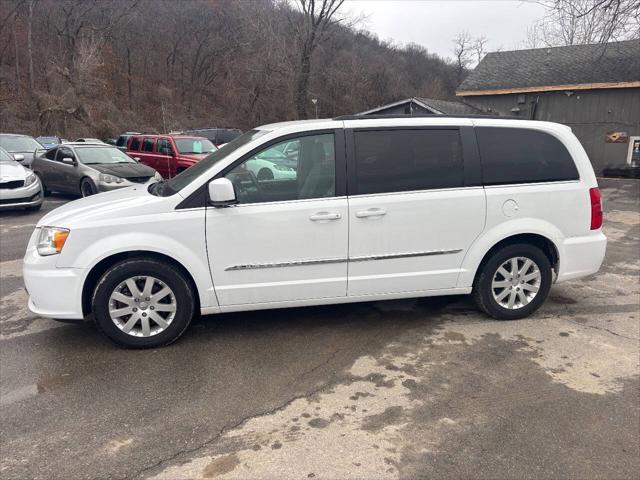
[(520, 155)]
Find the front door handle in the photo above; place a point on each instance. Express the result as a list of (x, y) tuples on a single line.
[(372, 212), (324, 216)]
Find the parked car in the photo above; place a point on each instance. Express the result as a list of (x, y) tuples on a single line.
[(109, 141), (23, 147), (123, 140), (169, 154), (268, 169), (50, 142), (90, 140), (19, 187), (85, 169), (379, 208), (217, 136)]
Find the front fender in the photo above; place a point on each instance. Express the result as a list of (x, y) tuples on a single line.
[(489, 238), (190, 252)]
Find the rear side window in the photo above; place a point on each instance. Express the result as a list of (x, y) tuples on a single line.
[(147, 144), (135, 144), (225, 136), (122, 139), (406, 160), (520, 155)]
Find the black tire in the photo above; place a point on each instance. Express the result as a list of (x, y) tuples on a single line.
[(483, 293), (166, 273), (265, 174), (45, 191), (87, 188)]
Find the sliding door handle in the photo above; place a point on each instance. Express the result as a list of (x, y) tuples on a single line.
[(325, 216), (372, 212)]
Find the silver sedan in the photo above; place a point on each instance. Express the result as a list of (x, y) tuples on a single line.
[(19, 187), (87, 169)]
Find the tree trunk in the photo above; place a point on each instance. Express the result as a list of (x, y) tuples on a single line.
[(30, 49), (15, 45), (129, 78), (302, 86)]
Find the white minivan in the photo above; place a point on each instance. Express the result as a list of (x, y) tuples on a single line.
[(378, 208)]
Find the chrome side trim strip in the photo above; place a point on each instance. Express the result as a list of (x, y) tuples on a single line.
[(322, 261), (294, 263), (404, 255)]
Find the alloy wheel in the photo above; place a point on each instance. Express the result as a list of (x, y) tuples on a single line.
[(516, 283), (142, 306)]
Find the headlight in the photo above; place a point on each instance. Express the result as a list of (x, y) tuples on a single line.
[(282, 168), (51, 240), (158, 177), (110, 178), (31, 178)]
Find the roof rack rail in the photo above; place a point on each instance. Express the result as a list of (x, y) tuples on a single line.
[(423, 115)]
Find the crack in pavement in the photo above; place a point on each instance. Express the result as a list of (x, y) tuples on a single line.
[(226, 428), (602, 329)]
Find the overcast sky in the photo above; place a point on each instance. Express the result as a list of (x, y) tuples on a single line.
[(434, 23)]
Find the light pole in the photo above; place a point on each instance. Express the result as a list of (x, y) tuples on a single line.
[(315, 104)]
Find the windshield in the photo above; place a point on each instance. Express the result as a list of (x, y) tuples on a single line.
[(19, 144), (95, 155), (195, 145), (4, 156), (180, 181), (44, 140)]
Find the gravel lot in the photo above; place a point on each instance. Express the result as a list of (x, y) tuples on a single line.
[(403, 389)]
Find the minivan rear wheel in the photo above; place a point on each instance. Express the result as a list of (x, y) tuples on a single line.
[(514, 282), (143, 303)]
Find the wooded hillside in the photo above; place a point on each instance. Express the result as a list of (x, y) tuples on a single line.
[(86, 67)]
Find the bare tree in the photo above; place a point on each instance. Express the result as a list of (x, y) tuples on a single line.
[(318, 16), (479, 47), (576, 22), (463, 52)]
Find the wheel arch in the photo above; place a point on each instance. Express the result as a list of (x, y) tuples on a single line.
[(103, 265), (542, 234), (547, 246)]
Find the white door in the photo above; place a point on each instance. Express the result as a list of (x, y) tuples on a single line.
[(287, 238), (412, 219)]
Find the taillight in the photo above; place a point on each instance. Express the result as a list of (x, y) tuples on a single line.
[(596, 208)]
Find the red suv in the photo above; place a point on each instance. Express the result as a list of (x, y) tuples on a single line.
[(169, 154)]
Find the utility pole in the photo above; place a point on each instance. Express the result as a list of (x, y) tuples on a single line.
[(315, 104)]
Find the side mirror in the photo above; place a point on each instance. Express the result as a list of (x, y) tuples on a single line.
[(18, 157), (137, 159), (69, 161), (222, 193)]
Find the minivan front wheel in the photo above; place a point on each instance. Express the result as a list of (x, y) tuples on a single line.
[(514, 282), (142, 303)]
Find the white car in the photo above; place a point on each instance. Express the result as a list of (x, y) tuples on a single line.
[(19, 186), (269, 170), (379, 208)]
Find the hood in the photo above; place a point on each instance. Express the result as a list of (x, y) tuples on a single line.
[(195, 157), (124, 170), (104, 207), (10, 171)]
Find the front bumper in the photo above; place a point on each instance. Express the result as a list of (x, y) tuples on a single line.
[(108, 187), (23, 197), (53, 292)]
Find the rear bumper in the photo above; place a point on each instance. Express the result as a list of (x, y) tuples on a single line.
[(53, 292), (582, 256)]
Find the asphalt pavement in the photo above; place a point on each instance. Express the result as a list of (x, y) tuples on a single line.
[(426, 388)]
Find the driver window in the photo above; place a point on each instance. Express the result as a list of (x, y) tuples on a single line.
[(295, 169), (64, 153)]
